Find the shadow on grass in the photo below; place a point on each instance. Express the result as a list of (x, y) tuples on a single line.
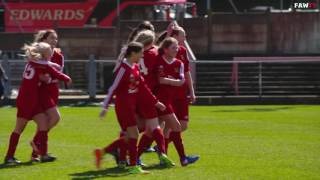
[(154, 166), (23, 164), (109, 172), (255, 109)]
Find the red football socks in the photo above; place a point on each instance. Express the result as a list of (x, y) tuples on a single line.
[(13, 142), (144, 142), (43, 140), (132, 147), (177, 141), (159, 138)]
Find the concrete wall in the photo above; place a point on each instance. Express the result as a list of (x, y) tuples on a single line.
[(80, 43), (14, 41), (296, 33), (228, 34), (264, 34), (75, 43), (243, 34)]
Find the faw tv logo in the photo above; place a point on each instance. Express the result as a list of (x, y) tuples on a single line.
[(309, 5)]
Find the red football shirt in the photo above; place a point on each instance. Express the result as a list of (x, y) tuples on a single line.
[(174, 69), (125, 84), (29, 88), (58, 58), (34, 69), (147, 67), (51, 90)]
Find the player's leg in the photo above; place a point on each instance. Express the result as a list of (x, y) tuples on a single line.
[(132, 134), (42, 125), (184, 125), (175, 126), (181, 109), (117, 149), (53, 117), (48, 106), (146, 138), (14, 140), (128, 122), (171, 125), (153, 127), (148, 113)]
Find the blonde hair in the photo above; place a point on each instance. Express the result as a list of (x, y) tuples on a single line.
[(145, 37), (43, 34), (36, 51), (176, 30)]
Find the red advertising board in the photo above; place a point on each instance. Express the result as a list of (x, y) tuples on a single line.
[(32, 16), (28, 17)]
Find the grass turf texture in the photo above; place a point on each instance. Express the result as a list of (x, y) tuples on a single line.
[(234, 142)]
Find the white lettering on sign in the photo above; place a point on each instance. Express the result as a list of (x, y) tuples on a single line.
[(44, 15)]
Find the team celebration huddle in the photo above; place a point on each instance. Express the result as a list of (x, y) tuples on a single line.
[(152, 89)]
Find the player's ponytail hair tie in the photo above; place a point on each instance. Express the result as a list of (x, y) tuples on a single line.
[(120, 57)]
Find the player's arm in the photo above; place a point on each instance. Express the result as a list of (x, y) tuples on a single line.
[(113, 87), (46, 78), (62, 62), (59, 75), (55, 65), (143, 87), (172, 81), (189, 80), (190, 87), (170, 27)]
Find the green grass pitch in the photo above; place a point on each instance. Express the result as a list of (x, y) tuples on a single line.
[(234, 142)]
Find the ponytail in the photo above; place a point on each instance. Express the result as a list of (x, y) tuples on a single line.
[(126, 52)]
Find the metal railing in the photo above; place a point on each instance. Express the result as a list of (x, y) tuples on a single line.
[(214, 78), (89, 76), (260, 74)]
